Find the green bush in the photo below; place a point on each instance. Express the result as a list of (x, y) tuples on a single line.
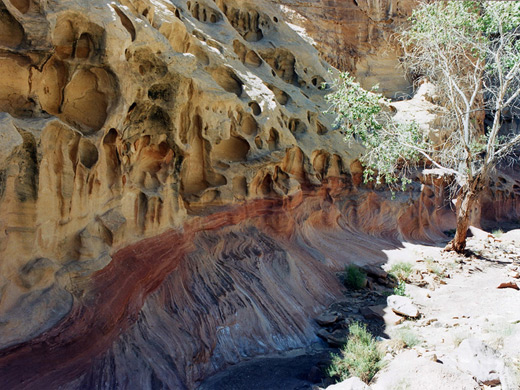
[(407, 337), (355, 277), (360, 357), (497, 233), (400, 289), (401, 271)]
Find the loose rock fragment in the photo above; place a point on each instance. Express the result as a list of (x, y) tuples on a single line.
[(512, 285)]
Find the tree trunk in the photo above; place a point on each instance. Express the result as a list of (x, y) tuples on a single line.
[(458, 244)]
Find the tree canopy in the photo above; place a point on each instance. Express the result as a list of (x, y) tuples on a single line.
[(471, 51)]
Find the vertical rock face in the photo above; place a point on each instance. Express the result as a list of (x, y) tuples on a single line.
[(123, 119), (357, 36)]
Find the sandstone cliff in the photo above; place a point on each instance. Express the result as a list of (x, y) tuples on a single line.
[(357, 36), (172, 199)]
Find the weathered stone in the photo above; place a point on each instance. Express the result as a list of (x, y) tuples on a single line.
[(327, 319), (172, 197), (9, 138), (403, 306), (374, 271), (373, 312), (510, 284), (479, 360), (338, 338)]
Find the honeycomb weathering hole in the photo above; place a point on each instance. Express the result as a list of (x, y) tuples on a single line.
[(246, 56), (249, 125), (240, 189), (162, 92), (11, 31), (253, 59), (88, 154), (204, 13), (281, 96), (255, 107), (274, 139), (111, 137), (228, 80), (297, 126), (85, 101), (232, 149), (246, 22), (21, 5), (283, 63), (125, 21)]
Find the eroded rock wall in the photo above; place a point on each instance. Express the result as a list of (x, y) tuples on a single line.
[(121, 120), (357, 36)]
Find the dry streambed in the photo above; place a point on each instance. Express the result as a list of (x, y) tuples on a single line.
[(467, 335)]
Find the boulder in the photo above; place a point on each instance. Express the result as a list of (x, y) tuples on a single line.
[(408, 370), (326, 319), (338, 338), (480, 361), (403, 306), (374, 271)]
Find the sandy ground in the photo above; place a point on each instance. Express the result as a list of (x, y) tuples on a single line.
[(458, 299)]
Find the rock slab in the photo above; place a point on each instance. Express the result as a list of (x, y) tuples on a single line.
[(403, 306)]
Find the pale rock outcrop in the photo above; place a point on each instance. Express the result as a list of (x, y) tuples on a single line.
[(353, 383), (480, 361), (409, 370)]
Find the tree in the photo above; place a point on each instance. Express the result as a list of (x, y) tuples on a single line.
[(471, 51)]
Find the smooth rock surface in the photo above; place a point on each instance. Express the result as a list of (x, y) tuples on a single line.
[(409, 370), (480, 361), (403, 306), (353, 383)]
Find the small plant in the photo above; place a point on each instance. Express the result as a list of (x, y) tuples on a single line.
[(459, 338), (355, 277), (407, 338), (401, 271), (403, 384), (400, 289), (433, 267), (497, 233), (360, 357)]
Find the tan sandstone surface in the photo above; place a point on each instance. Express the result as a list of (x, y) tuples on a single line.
[(172, 199), (357, 36)]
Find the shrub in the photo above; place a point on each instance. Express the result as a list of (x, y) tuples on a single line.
[(497, 233), (355, 277), (401, 271), (434, 268), (407, 337), (360, 357), (400, 289)]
